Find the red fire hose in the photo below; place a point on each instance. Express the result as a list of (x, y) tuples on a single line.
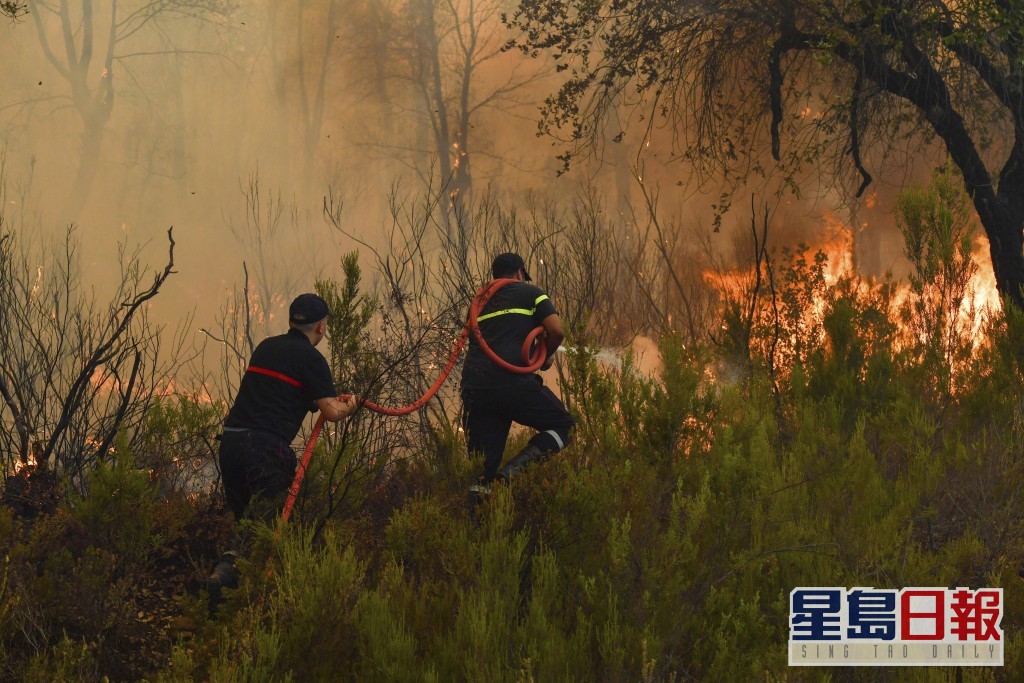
[(534, 357)]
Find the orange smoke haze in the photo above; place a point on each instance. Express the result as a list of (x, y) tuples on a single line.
[(233, 126)]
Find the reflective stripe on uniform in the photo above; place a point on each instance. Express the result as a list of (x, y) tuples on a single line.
[(557, 438), (520, 311), (275, 375)]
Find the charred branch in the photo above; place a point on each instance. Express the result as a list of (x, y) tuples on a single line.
[(106, 349), (13, 9), (858, 86), (127, 398)]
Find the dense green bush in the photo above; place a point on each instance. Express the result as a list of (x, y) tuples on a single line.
[(661, 545), (664, 543), (71, 583), (867, 440)]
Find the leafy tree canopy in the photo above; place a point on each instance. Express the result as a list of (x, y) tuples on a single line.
[(818, 82)]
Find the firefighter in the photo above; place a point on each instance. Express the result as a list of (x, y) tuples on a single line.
[(286, 378), (493, 397)]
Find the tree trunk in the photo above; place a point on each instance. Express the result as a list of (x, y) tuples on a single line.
[(1003, 220), (88, 163), (437, 111)]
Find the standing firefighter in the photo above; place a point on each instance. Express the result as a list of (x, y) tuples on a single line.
[(286, 378), (494, 397)]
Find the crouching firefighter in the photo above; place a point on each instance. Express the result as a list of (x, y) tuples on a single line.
[(493, 397), (286, 378)]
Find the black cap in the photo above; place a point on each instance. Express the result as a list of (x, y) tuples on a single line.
[(308, 308), (508, 263)]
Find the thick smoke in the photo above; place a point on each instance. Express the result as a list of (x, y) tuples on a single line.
[(233, 121)]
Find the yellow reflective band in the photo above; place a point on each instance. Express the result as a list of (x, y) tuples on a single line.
[(521, 311), (539, 299)]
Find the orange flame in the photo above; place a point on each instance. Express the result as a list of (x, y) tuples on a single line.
[(837, 244)]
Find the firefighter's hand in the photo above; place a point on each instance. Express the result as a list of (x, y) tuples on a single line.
[(548, 362), (348, 404), (334, 409)]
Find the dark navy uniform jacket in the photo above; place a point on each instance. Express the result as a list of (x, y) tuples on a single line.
[(505, 321), (284, 378)]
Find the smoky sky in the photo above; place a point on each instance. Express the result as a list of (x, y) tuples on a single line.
[(198, 107)]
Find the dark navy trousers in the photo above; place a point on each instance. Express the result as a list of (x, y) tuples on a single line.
[(490, 409), (255, 465)]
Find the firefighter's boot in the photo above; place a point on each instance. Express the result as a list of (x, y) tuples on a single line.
[(225, 575), (517, 464)]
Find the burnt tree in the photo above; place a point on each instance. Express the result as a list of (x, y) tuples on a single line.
[(75, 373), (84, 43)]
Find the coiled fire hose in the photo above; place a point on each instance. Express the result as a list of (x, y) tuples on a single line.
[(533, 355)]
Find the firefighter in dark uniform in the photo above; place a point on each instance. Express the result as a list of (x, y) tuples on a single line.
[(493, 397), (286, 379)]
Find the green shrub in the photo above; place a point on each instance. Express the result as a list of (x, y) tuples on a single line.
[(176, 442), (69, 660), (297, 622), (661, 545), (119, 510)]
